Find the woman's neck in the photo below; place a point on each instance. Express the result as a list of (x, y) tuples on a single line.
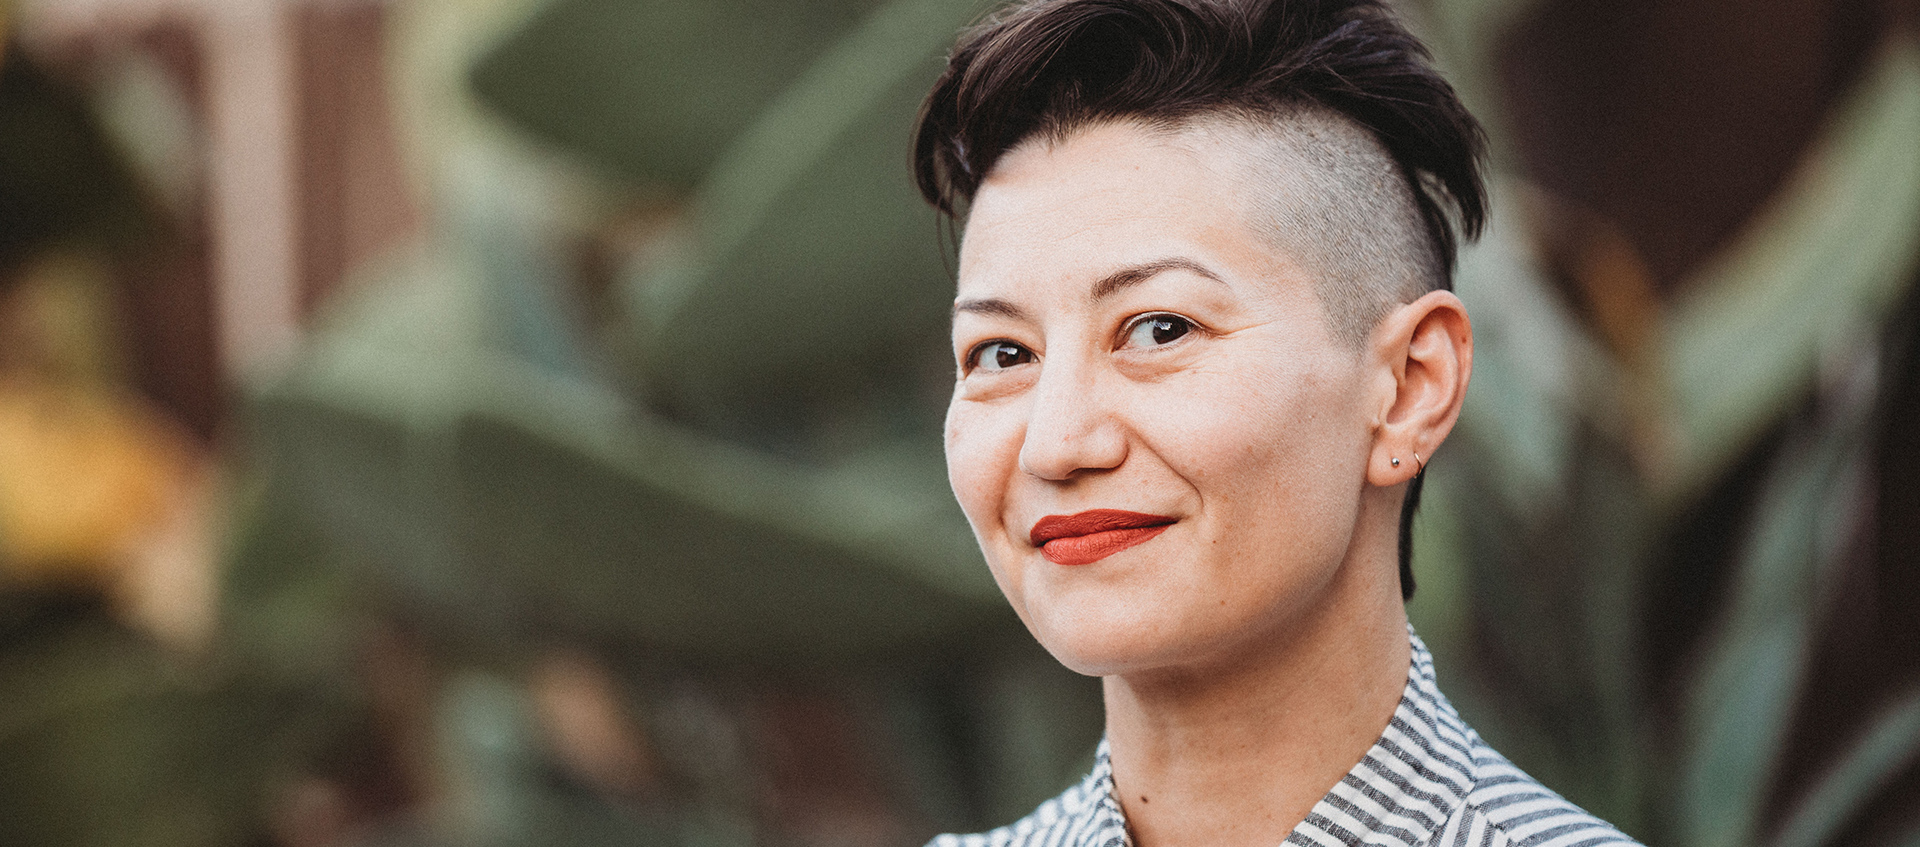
[(1237, 754)]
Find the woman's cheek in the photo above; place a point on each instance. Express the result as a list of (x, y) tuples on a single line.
[(973, 466), (983, 451)]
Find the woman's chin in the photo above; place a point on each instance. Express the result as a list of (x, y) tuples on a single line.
[(1099, 664), (1108, 650), (1108, 636), (1108, 628)]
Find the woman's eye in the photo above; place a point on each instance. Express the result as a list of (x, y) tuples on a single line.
[(1155, 330), (999, 355)]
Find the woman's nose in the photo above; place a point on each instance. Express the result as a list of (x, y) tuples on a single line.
[(1070, 428)]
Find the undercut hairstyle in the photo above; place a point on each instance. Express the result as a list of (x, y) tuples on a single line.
[(1374, 163)]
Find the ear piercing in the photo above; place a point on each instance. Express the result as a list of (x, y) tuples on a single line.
[(1395, 461)]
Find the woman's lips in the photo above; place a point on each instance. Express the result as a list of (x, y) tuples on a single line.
[(1088, 537)]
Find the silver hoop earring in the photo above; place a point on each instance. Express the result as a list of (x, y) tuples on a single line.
[(1416, 458)]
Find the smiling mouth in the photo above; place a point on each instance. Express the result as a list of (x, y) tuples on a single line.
[(1088, 537)]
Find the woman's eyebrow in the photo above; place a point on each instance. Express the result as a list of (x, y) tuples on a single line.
[(1132, 275), (1106, 286), (993, 306)]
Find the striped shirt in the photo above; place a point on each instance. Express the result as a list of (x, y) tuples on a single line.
[(1429, 780)]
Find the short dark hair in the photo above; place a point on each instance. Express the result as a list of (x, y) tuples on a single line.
[(1047, 67)]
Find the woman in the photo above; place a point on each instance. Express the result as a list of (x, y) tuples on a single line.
[(1206, 349)]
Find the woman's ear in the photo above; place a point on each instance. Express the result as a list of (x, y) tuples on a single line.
[(1427, 348)]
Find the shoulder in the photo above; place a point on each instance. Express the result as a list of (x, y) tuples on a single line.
[(1506, 807), (1084, 814)]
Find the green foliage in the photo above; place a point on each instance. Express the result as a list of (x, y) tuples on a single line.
[(109, 743), (754, 478), (656, 89), (1567, 484)]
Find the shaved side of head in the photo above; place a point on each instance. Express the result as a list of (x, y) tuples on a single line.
[(1324, 190)]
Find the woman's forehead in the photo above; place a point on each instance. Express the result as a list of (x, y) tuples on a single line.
[(1309, 194), (1110, 196)]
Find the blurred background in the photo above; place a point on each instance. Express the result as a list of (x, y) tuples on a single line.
[(516, 422)]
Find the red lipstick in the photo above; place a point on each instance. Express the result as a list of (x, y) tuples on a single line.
[(1088, 537)]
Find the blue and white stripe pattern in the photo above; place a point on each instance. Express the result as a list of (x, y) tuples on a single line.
[(1429, 780)]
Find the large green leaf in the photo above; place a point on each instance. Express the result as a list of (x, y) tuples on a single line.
[(655, 89), (708, 549), (489, 481), (1743, 698), (816, 281), (1532, 364), (1814, 275)]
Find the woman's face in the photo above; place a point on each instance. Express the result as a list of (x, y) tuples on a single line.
[(1157, 438)]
